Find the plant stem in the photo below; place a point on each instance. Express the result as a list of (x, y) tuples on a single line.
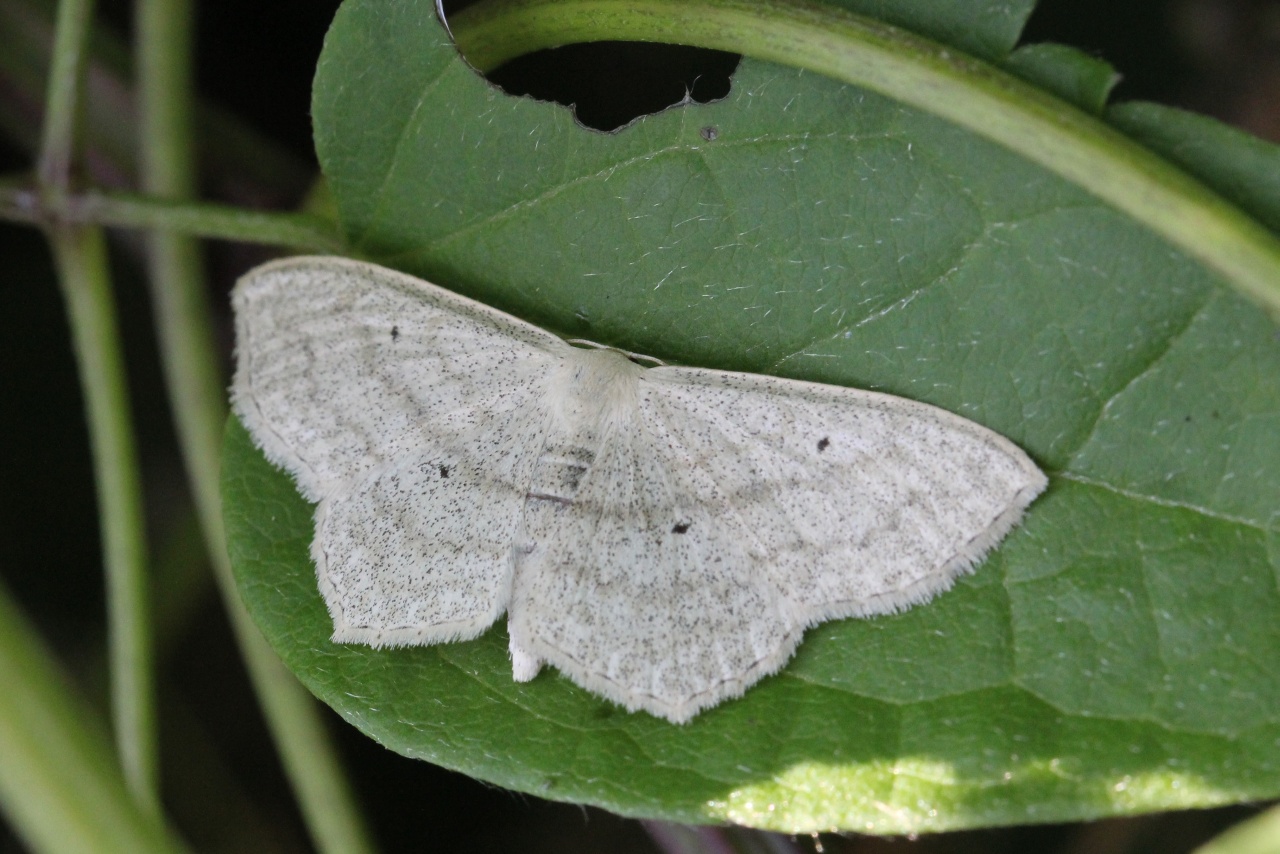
[(180, 305), (62, 101), (189, 355), (59, 782), (236, 159), (20, 203), (922, 74), (1257, 835), (80, 254), (81, 257)]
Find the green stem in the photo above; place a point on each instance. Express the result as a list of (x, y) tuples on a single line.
[(59, 782), (81, 257), (235, 157), (20, 203), (62, 101), (167, 171), (310, 760), (167, 145), (1258, 835), (922, 74)]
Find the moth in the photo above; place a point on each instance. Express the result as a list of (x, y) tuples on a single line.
[(663, 536)]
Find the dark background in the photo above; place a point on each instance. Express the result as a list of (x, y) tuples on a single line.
[(224, 786)]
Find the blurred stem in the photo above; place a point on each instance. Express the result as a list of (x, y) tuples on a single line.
[(62, 102), (81, 257), (195, 386), (59, 782), (922, 74), (80, 254), (673, 838), (236, 159), (1258, 835), (19, 202)]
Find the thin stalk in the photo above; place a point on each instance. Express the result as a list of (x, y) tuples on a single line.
[(81, 257), (19, 202), (235, 157), (59, 783), (673, 838), (1258, 835), (62, 98), (922, 74), (167, 145), (80, 253)]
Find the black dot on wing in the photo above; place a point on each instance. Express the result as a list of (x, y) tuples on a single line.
[(444, 471), (823, 444), (395, 332), (680, 528)]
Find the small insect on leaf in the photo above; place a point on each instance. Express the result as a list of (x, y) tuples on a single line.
[(565, 470)]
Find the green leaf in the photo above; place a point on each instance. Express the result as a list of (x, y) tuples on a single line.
[(1114, 655), (1241, 167), (984, 28), (1066, 72)]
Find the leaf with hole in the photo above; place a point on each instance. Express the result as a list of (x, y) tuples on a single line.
[(1112, 656)]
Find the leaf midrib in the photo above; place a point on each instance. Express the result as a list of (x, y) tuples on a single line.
[(935, 78)]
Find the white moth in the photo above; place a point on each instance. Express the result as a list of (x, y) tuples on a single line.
[(663, 536)]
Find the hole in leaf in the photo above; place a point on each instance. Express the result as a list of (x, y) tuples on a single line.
[(610, 84)]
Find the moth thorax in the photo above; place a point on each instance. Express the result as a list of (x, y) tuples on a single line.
[(595, 387)]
